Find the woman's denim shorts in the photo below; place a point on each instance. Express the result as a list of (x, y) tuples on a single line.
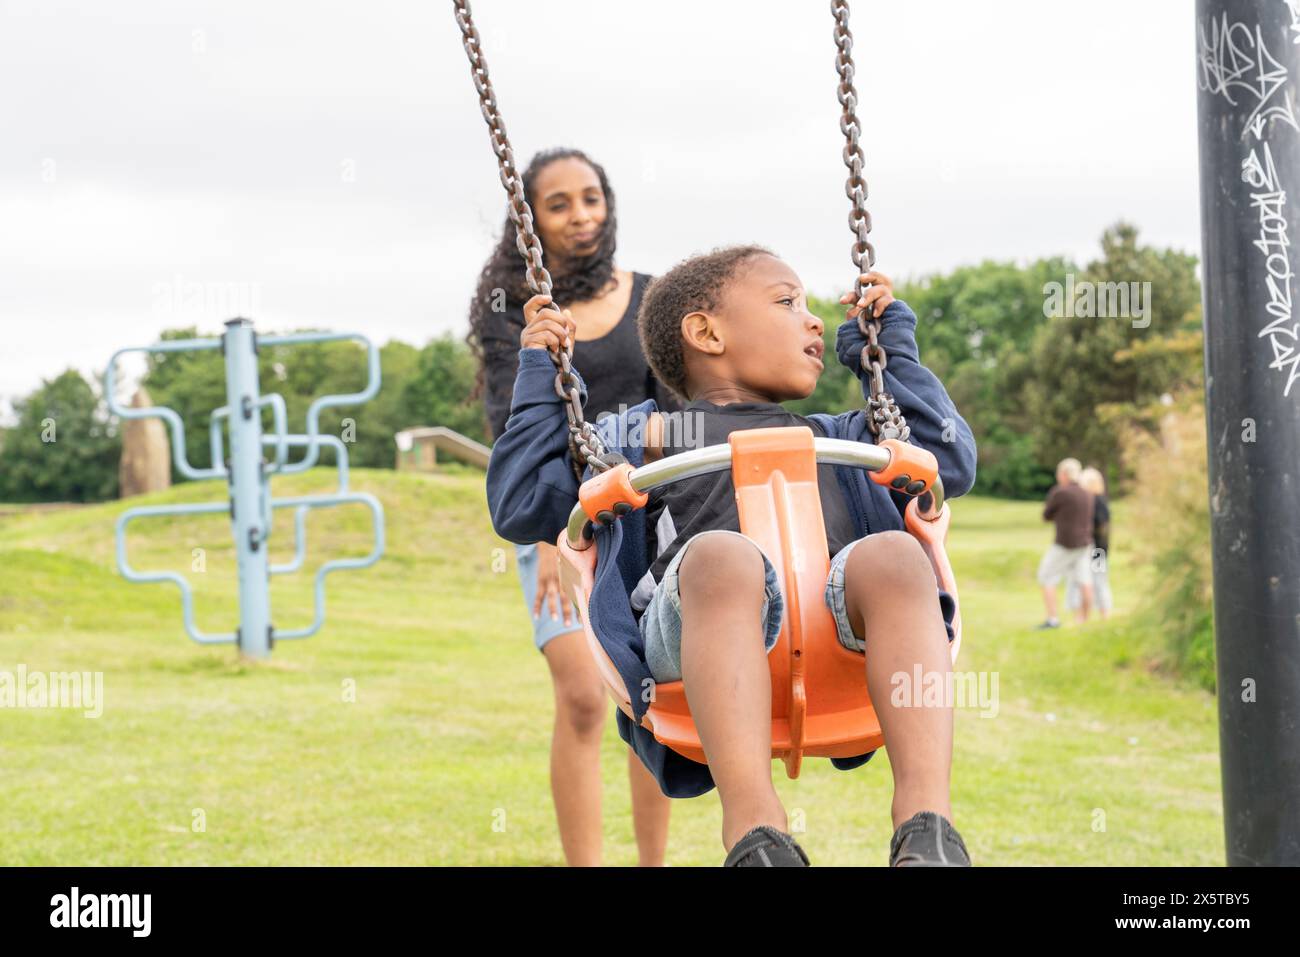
[(661, 622), (547, 625)]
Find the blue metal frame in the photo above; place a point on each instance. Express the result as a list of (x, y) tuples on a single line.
[(248, 472)]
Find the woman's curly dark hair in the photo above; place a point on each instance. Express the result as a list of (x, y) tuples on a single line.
[(573, 279), (693, 284)]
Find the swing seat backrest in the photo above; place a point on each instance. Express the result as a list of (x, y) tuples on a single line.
[(820, 705)]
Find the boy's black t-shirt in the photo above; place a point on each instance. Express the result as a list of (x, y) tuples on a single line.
[(677, 512)]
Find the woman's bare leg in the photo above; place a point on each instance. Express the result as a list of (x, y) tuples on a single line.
[(580, 712), (581, 709), (650, 809)]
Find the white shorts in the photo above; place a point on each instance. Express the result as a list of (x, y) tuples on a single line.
[(1068, 563)]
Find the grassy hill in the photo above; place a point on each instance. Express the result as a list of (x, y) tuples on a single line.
[(1091, 758)]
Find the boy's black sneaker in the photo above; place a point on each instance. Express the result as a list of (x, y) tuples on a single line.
[(927, 840), (765, 846)]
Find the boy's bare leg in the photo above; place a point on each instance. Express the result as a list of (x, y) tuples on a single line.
[(650, 808), (726, 678), (891, 600)]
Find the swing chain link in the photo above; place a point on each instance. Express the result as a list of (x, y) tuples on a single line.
[(585, 445), (884, 418)]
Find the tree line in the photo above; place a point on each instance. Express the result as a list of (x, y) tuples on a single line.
[(1034, 387)]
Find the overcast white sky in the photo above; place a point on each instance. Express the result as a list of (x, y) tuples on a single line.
[(331, 160)]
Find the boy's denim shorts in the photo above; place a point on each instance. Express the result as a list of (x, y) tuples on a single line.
[(661, 622)]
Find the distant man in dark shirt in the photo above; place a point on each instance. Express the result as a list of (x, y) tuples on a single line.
[(1070, 507)]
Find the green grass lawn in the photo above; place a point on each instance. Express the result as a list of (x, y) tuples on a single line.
[(1093, 756)]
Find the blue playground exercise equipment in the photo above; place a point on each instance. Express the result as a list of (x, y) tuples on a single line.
[(249, 473)]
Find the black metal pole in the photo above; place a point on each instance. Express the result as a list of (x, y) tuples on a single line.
[(1248, 78)]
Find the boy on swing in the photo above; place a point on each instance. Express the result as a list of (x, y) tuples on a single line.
[(731, 333)]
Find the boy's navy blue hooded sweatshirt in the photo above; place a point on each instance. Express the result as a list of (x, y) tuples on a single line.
[(531, 490)]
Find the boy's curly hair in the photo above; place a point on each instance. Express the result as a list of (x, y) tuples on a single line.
[(692, 285)]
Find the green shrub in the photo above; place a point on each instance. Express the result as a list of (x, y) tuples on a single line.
[(1171, 501)]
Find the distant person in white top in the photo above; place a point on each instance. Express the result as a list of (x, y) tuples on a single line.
[(1092, 480)]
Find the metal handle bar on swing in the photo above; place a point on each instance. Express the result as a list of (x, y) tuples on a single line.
[(716, 458)]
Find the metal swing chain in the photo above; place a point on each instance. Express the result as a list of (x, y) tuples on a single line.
[(884, 418), (585, 446)]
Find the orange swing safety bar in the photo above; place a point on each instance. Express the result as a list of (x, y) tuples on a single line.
[(820, 705)]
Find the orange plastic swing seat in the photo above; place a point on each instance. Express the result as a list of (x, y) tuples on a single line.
[(820, 705)]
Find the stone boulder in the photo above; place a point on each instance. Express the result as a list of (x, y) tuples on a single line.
[(146, 453)]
